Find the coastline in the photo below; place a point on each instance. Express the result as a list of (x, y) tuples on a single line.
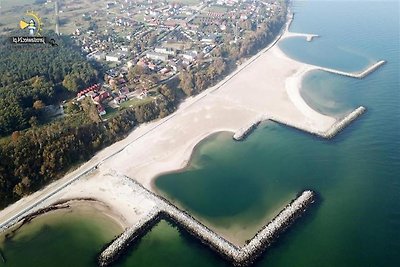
[(167, 145), (81, 208)]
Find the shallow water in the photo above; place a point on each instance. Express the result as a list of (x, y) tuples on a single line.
[(60, 238), (235, 185)]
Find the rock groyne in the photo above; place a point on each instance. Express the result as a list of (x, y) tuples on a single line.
[(359, 75), (332, 131), (238, 256), (116, 247), (243, 132), (309, 36), (340, 125)]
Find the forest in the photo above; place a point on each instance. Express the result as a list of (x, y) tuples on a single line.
[(42, 74)]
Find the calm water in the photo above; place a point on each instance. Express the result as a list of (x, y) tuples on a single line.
[(60, 238), (236, 185)]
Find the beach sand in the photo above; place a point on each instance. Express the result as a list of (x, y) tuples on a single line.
[(267, 84)]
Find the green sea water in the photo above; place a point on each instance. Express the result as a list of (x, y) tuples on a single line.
[(236, 186), (60, 238)]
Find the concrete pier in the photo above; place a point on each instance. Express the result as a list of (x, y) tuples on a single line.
[(239, 256), (358, 75)]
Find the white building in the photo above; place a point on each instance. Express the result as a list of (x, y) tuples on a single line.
[(164, 50), (157, 56), (113, 58)]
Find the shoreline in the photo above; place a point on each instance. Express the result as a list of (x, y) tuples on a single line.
[(77, 207), (167, 145)]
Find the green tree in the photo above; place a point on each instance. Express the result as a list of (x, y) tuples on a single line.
[(71, 82), (38, 104), (186, 82)]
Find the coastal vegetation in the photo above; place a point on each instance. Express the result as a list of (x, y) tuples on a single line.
[(32, 77), (33, 153)]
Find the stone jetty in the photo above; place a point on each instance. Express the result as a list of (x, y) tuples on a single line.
[(339, 125), (309, 37), (359, 75), (243, 132), (238, 256), (114, 250), (332, 131)]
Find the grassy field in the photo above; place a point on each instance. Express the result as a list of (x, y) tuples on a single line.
[(12, 11), (112, 112), (5, 4), (135, 102)]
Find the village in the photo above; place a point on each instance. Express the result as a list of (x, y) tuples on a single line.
[(143, 44)]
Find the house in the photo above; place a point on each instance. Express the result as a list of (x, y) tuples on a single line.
[(164, 71), (164, 50), (101, 110), (157, 56), (110, 5), (101, 96), (143, 94), (210, 39), (123, 91), (113, 57), (130, 64), (121, 81), (120, 99), (124, 48), (190, 56), (89, 89)]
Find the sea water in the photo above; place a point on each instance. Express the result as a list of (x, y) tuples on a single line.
[(236, 186)]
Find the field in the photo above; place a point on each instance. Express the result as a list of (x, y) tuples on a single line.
[(12, 11), (5, 4)]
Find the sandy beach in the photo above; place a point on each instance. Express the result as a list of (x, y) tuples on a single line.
[(267, 84)]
